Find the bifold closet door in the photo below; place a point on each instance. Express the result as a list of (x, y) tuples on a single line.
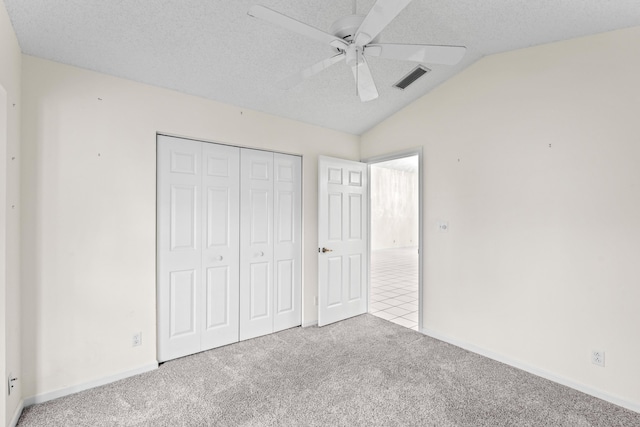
[(256, 243), (198, 246), (287, 245), (270, 243), (229, 245), (179, 227), (220, 244)]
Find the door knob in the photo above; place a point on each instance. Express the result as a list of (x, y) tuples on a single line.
[(326, 250), (259, 253), (218, 258)]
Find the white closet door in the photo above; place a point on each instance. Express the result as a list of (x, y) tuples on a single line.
[(229, 245), (220, 245), (256, 243), (179, 251), (287, 248)]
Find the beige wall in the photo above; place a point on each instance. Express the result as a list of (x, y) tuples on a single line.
[(532, 156), (89, 143), (10, 63)]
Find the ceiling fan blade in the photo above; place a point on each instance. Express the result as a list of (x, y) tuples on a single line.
[(432, 54), (297, 78), (382, 12), (366, 86), (296, 26)]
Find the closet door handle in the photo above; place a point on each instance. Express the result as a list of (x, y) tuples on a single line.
[(259, 254), (218, 258), (326, 250)]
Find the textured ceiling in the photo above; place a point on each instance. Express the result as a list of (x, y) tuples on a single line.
[(213, 49)]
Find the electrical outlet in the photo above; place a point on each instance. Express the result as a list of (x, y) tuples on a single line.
[(597, 357), (137, 339), (11, 382)]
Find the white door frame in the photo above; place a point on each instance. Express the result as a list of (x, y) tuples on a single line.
[(384, 158)]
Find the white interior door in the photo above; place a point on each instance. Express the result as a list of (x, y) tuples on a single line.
[(256, 243), (287, 246), (220, 245), (342, 239), (179, 247)]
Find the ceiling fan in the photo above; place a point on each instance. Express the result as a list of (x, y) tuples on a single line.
[(355, 37)]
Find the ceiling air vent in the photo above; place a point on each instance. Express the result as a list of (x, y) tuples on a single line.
[(414, 75)]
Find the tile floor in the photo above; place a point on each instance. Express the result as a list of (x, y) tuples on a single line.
[(394, 286)]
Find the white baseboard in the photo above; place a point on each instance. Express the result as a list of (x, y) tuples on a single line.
[(311, 323), (40, 398), (535, 371), (16, 414)]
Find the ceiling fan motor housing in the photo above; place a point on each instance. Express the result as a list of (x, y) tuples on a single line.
[(346, 28)]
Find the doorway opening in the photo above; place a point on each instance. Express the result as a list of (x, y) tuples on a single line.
[(395, 224)]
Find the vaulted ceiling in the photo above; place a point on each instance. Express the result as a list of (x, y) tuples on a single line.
[(213, 49)]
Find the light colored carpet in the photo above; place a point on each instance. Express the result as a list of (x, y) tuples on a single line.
[(361, 372)]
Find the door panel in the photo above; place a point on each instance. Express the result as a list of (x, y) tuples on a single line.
[(219, 164), (256, 242), (261, 166), (342, 219), (218, 209), (285, 286), (334, 282), (184, 215), (183, 302), (285, 217), (287, 247), (355, 277), (334, 217), (221, 246), (259, 292), (334, 175), (183, 160), (218, 303), (261, 217), (179, 260), (355, 217)]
